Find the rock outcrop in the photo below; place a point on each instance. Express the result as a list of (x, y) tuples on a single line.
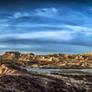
[(11, 55), (49, 61), (11, 69)]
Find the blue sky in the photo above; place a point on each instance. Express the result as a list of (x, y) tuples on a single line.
[(44, 26)]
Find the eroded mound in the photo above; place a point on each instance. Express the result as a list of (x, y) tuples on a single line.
[(49, 61), (11, 69), (15, 79)]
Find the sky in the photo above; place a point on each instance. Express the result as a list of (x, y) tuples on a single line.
[(46, 26)]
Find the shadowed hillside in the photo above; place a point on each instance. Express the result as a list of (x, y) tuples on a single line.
[(15, 79)]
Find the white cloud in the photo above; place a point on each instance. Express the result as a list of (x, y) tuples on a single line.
[(88, 34), (3, 46), (52, 35), (61, 35), (20, 14), (46, 12), (79, 28), (90, 8)]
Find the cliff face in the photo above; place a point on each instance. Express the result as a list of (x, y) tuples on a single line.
[(49, 61)]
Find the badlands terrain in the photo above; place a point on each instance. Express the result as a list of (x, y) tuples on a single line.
[(49, 61), (13, 78), (17, 72)]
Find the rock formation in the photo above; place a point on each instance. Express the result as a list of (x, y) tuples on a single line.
[(49, 61)]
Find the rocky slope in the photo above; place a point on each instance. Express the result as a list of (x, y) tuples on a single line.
[(49, 61), (15, 79)]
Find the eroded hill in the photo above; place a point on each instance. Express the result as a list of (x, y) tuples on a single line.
[(49, 61)]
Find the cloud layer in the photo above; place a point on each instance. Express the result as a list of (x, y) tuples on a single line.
[(61, 25)]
